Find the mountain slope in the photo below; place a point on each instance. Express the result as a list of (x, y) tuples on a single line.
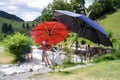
[(111, 22), (6, 15), (16, 26)]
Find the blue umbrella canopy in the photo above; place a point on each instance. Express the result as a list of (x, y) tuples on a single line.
[(83, 26)]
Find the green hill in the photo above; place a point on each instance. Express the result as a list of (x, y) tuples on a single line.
[(10, 23), (111, 22), (16, 25), (10, 16)]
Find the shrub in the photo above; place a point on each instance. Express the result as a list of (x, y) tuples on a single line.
[(68, 53), (117, 54), (105, 57), (83, 42), (96, 58), (108, 57), (16, 44)]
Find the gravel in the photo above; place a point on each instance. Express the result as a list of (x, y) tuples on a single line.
[(25, 70), (24, 75), (28, 69)]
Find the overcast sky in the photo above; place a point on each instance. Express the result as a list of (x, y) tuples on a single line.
[(28, 10)]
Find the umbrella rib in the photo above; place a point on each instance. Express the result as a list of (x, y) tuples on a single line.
[(53, 28), (98, 39), (66, 25), (71, 24), (40, 30), (59, 35), (40, 35), (46, 27)]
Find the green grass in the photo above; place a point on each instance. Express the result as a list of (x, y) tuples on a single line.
[(111, 22), (6, 58), (40, 76), (101, 71)]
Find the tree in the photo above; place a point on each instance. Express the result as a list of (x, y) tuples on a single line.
[(33, 25), (4, 28), (101, 7), (27, 26), (97, 11), (47, 13), (116, 3), (78, 6), (23, 25), (10, 29), (7, 28), (106, 5)]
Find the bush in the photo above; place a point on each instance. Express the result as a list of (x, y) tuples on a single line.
[(117, 54), (105, 57), (96, 58), (108, 57), (16, 44), (83, 42), (68, 53)]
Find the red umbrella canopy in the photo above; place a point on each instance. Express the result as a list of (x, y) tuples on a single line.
[(51, 32)]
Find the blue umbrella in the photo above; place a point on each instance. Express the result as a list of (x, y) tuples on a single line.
[(83, 26)]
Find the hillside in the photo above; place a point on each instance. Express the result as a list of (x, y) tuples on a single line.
[(111, 22), (6, 15), (16, 26), (37, 19)]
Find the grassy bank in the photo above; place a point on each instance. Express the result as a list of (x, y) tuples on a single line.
[(111, 22), (101, 71)]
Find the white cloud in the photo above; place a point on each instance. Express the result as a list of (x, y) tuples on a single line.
[(25, 9), (31, 16), (88, 2), (28, 10)]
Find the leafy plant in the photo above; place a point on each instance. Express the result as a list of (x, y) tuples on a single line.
[(83, 42), (96, 58), (16, 44), (117, 54), (108, 57), (68, 53)]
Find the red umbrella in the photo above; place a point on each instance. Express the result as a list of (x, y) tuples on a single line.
[(51, 32)]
